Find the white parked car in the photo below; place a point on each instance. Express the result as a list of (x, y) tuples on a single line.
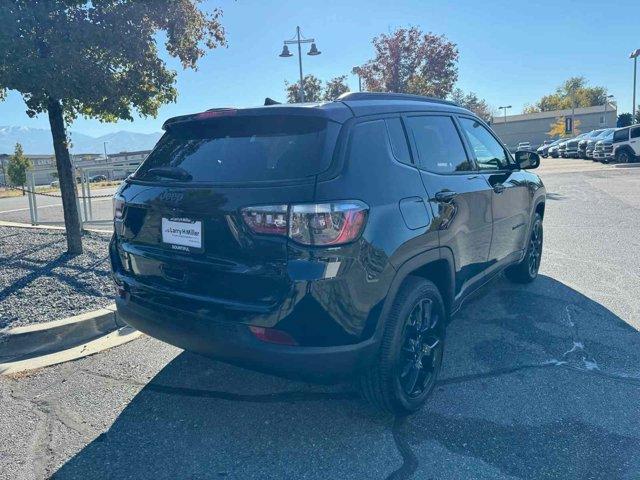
[(524, 146), (626, 144)]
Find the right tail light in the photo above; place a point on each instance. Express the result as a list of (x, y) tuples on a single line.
[(322, 224), (118, 207)]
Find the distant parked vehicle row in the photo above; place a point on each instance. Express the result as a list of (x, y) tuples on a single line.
[(603, 145)]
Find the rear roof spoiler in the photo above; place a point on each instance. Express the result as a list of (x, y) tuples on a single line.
[(337, 112)]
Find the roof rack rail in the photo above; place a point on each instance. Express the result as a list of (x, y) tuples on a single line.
[(355, 96)]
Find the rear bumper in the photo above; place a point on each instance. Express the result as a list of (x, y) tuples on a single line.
[(234, 343)]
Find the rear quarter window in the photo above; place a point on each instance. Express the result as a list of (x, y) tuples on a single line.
[(245, 149), (621, 135)]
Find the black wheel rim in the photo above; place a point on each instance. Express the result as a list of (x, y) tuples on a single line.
[(421, 352), (535, 249)]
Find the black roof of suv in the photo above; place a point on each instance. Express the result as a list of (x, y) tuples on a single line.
[(345, 106), (324, 241)]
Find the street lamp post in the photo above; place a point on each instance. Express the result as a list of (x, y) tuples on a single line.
[(357, 71), (606, 104), (106, 157), (313, 51), (635, 54), (505, 111)]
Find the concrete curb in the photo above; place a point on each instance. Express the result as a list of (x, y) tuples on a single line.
[(627, 165), (57, 228), (34, 346), (113, 339)]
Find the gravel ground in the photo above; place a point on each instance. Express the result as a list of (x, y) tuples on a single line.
[(39, 282)]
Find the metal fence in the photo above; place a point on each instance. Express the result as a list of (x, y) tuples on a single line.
[(94, 209)]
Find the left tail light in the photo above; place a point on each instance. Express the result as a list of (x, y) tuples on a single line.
[(324, 224), (118, 207)]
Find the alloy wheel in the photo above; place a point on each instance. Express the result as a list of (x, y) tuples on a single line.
[(421, 352), (535, 249)]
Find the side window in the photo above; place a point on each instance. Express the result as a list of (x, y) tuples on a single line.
[(635, 132), (621, 135), (398, 140), (369, 143), (438, 143), (489, 153)]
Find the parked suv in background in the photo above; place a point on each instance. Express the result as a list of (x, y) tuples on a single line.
[(562, 149), (554, 149), (571, 148), (591, 143), (543, 150), (324, 241), (603, 150), (582, 144), (626, 144), (524, 146)]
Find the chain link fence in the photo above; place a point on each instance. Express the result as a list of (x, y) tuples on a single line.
[(93, 200)]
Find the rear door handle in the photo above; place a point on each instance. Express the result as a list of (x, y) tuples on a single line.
[(445, 196), (499, 188)]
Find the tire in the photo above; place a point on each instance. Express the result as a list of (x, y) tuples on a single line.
[(414, 330), (623, 157), (527, 270)]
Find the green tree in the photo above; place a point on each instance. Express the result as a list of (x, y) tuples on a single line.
[(97, 59), (410, 61), (557, 128), (624, 120), (335, 87), (472, 102), (312, 90), (573, 92), (17, 167), (637, 114)]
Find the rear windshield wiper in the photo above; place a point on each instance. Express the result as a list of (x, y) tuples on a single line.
[(170, 172)]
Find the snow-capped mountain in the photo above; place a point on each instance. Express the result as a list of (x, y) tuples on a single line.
[(36, 141)]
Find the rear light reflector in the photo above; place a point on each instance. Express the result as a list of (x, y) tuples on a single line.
[(327, 223), (271, 335), (323, 224), (267, 220), (118, 207)]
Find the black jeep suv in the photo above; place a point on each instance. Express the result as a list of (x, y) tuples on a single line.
[(324, 241)]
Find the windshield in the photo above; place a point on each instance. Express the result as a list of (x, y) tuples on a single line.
[(605, 133), (242, 149)]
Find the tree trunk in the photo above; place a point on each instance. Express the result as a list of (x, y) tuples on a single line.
[(66, 177)]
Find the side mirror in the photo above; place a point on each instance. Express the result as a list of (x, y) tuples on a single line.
[(527, 159)]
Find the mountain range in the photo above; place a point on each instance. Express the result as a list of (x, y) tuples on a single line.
[(37, 141)]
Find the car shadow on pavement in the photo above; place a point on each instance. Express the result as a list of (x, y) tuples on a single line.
[(538, 382)]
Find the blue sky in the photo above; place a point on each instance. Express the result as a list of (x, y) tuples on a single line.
[(511, 51)]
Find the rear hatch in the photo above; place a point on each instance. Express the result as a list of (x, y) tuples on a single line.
[(182, 231)]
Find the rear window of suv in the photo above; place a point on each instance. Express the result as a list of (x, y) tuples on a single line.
[(244, 149)]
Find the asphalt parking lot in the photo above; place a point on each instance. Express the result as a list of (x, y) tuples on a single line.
[(16, 209), (539, 382)]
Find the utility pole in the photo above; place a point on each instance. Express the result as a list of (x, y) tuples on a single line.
[(505, 111), (635, 54), (357, 71), (606, 104)]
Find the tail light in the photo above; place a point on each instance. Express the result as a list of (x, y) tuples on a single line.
[(118, 207), (323, 224), (268, 220)]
